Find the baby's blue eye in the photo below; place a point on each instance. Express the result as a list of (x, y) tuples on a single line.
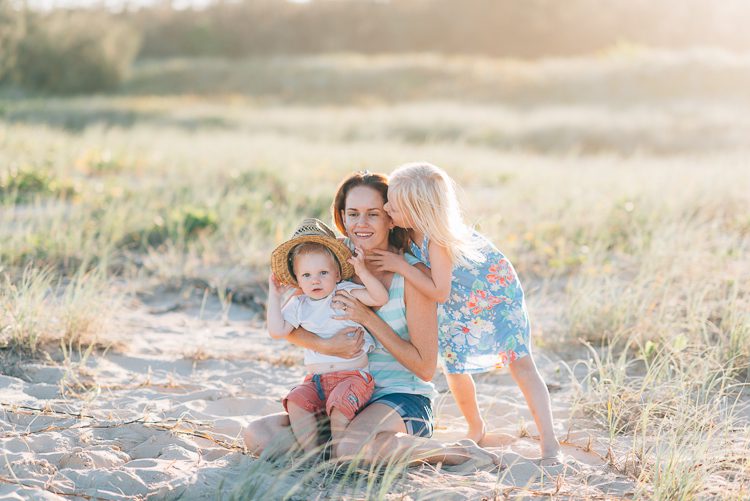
[(306, 275), (324, 273)]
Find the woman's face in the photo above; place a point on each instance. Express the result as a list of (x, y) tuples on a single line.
[(366, 222)]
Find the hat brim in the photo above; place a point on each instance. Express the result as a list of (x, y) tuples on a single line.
[(282, 267)]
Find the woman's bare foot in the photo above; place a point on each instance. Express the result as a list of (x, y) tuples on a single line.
[(465, 456)]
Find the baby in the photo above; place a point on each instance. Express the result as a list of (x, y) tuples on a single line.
[(316, 261)]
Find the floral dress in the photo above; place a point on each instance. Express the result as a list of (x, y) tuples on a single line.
[(484, 324)]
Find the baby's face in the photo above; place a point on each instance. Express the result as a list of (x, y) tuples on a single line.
[(317, 274)]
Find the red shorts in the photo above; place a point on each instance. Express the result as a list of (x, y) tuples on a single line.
[(347, 391)]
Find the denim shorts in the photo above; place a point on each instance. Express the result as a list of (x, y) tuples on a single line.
[(415, 410)]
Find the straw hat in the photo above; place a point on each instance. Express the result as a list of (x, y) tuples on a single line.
[(309, 230)]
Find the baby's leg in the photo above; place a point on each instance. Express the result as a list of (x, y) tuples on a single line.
[(339, 422), (351, 392), (302, 404), (465, 393), (304, 426)]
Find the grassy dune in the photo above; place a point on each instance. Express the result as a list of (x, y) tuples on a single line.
[(618, 185)]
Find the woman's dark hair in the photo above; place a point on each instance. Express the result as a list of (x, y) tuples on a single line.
[(397, 237)]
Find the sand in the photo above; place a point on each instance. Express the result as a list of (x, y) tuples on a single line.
[(161, 419)]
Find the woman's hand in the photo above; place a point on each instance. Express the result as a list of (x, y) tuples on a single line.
[(351, 308), (384, 260), (347, 343)]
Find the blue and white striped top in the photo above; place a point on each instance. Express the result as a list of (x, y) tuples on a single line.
[(390, 376)]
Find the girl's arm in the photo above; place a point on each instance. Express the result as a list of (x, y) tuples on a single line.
[(374, 293), (419, 355), (436, 284)]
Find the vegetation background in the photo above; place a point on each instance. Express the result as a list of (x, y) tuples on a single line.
[(603, 147)]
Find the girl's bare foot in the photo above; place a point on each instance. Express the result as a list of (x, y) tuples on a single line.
[(476, 431), (497, 439), (551, 454)]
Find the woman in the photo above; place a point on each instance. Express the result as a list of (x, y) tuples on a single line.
[(398, 420)]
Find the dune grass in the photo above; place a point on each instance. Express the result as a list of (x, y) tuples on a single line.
[(619, 182), (43, 312)]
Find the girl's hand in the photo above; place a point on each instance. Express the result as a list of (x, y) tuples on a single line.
[(384, 260), (275, 287), (350, 308), (347, 343), (358, 261)]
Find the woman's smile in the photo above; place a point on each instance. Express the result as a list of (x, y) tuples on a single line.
[(365, 220)]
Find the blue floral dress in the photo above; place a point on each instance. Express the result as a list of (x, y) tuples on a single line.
[(484, 324)]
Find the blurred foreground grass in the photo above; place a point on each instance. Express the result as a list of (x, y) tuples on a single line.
[(617, 184)]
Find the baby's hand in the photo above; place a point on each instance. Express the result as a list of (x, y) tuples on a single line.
[(275, 287), (384, 260), (358, 261)]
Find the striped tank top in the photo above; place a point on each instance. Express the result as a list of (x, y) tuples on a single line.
[(390, 376)]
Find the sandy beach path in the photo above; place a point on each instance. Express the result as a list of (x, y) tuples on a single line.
[(161, 419)]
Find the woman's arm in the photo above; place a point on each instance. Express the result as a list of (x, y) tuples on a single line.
[(418, 355), (347, 343)]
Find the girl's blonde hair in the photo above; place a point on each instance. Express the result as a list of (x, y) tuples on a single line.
[(427, 196)]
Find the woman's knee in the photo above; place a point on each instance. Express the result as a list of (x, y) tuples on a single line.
[(255, 437), (260, 433)]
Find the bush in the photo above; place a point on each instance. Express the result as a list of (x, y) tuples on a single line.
[(180, 224), (12, 30), (24, 184), (502, 28), (75, 52)]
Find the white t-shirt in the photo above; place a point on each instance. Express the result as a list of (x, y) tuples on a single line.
[(316, 317)]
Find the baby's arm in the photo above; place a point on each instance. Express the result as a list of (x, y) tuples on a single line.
[(277, 327), (374, 293), (435, 282)]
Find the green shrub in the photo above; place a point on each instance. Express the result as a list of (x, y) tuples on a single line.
[(195, 221), (22, 185), (12, 30), (75, 52), (184, 223)]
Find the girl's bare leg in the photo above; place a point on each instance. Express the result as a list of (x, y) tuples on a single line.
[(534, 390), (304, 426), (465, 393)]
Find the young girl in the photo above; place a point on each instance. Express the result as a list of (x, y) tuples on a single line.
[(483, 322)]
